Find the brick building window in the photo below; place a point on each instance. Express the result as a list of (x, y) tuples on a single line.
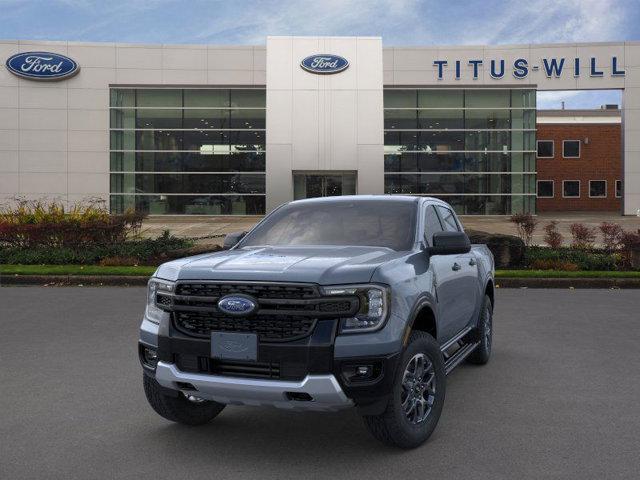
[(571, 188), (597, 188), (545, 188), (571, 149), (618, 188), (545, 149)]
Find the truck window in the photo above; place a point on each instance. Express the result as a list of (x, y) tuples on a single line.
[(431, 224), (449, 222)]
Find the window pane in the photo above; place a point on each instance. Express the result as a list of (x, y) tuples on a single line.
[(247, 119), (158, 98), (571, 148), (190, 204), (440, 119), (448, 220), (545, 189), (545, 148), (206, 98), (187, 183), (158, 118), (494, 118), (571, 188), (440, 99), (431, 223), (123, 98), (487, 98), (248, 98), (187, 162), (400, 98), (618, 188), (597, 188), (400, 119), (123, 118), (204, 118)]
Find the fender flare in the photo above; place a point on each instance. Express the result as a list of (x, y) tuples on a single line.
[(423, 301)]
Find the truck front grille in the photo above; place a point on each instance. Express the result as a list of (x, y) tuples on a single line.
[(269, 328), (285, 312)]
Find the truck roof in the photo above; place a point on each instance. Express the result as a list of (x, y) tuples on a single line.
[(364, 198)]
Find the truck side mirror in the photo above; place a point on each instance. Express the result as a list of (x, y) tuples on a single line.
[(232, 239), (450, 243)]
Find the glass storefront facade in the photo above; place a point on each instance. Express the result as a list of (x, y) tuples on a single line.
[(474, 148), (188, 151)]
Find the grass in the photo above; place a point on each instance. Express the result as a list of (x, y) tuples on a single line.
[(563, 274), (148, 271), (75, 270)]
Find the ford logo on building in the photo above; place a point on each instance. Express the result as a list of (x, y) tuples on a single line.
[(237, 305), (42, 66), (324, 63)]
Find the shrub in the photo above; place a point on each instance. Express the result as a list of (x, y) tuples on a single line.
[(583, 236), (630, 249), (552, 236), (525, 225), (131, 252), (585, 260), (611, 235), (508, 250), (34, 224), (554, 264)]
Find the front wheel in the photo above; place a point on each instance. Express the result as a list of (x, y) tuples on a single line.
[(417, 399), (180, 409)]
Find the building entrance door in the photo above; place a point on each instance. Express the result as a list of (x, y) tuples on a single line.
[(323, 184)]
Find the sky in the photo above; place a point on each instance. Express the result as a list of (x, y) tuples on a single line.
[(399, 22)]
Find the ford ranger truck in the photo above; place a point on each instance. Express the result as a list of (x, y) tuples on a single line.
[(329, 303)]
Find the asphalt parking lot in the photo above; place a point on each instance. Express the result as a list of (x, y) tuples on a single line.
[(559, 399)]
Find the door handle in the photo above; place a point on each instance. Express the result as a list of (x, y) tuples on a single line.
[(456, 266), (473, 262)]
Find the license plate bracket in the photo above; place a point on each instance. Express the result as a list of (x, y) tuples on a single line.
[(234, 346)]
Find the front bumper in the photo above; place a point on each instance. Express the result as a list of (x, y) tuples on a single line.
[(306, 368), (314, 392)]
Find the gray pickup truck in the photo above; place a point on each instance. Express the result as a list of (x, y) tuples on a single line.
[(365, 301)]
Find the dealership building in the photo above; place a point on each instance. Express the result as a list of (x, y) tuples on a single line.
[(238, 130)]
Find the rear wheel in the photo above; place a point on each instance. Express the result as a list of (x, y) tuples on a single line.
[(188, 410), (417, 399), (484, 334)]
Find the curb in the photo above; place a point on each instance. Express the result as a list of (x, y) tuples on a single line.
[(130, 281), (568, 282), (74, 280)]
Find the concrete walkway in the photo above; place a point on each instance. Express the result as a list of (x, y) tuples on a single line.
[(210, 229)]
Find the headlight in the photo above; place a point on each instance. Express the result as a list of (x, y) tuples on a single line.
[(153, 312), (374, 305)]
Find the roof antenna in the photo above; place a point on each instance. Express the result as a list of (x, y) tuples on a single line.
[(562, 108)]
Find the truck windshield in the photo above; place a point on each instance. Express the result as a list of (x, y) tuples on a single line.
[(376, 223)]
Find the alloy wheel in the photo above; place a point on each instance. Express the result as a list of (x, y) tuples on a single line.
[(418, 389)]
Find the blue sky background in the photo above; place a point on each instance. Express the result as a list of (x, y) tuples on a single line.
[(399, 22)]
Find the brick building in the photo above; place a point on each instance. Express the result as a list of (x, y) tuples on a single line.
[(579, 160)]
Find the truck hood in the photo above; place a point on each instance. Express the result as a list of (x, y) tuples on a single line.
[(322, 265)]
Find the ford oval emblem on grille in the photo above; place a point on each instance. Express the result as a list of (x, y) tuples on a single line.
[(324, 63), (237, 305)]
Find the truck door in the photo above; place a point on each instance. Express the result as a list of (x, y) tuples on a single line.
[(456, 276)]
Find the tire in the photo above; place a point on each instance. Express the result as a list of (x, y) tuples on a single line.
[(484, 333), (179, 409), (394, 426)]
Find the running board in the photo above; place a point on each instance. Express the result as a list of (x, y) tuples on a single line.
[(463, 352)]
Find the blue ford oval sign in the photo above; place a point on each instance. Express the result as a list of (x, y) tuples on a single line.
[(324, 63), (237, 305), (42, 66)]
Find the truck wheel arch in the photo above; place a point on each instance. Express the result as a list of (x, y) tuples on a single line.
[(489, 291), (423, 319)]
